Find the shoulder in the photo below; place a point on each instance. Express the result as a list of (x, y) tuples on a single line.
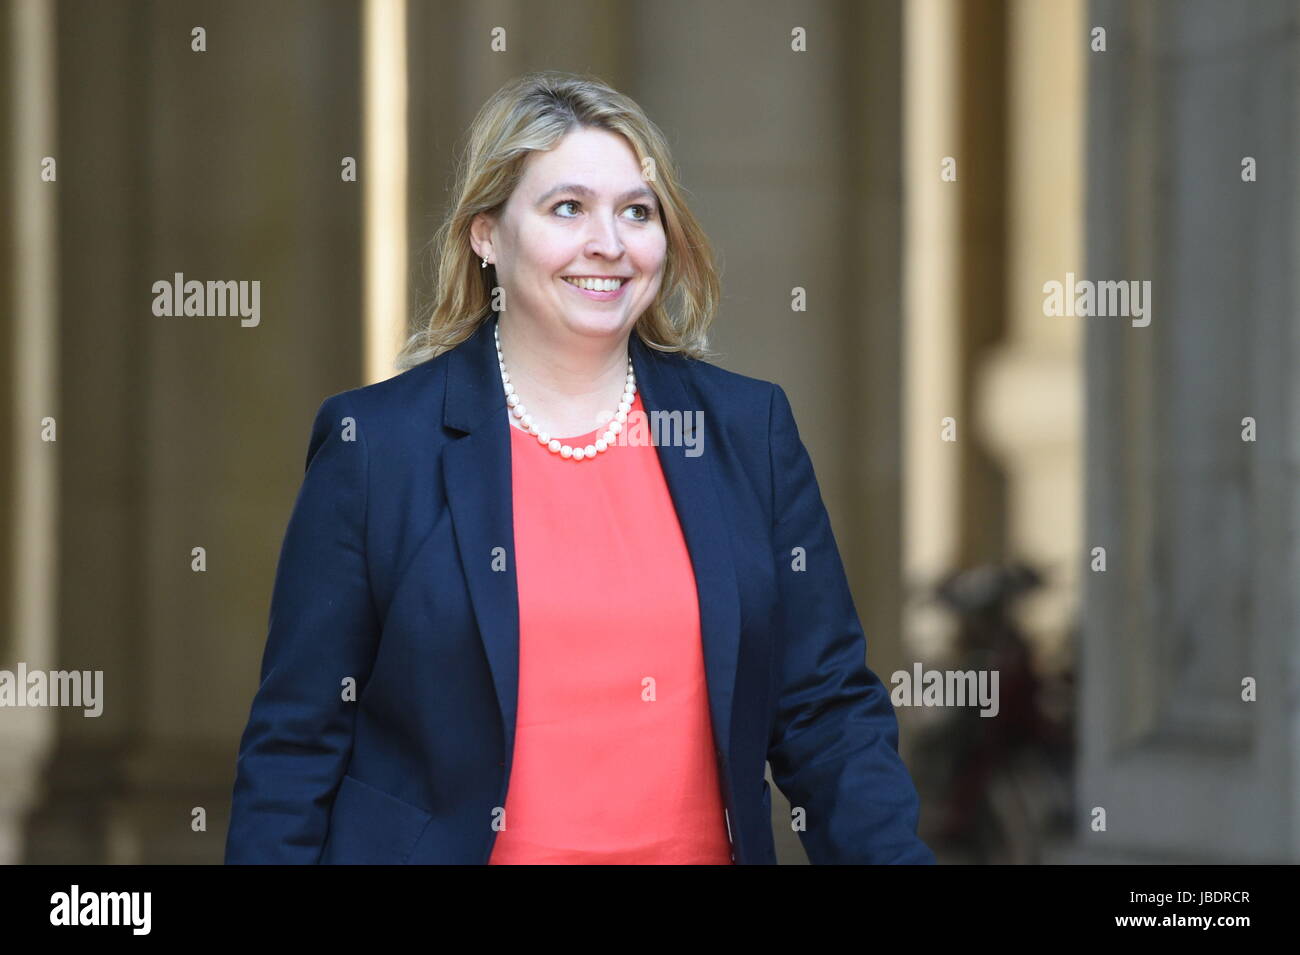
[(739, 402), (396, 396), (717, 385), (401, 411)]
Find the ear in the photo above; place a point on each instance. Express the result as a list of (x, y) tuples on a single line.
[(480, 233)]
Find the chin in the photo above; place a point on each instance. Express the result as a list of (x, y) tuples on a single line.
[(593, 323)]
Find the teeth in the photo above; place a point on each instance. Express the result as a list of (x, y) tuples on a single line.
[(595, 285)]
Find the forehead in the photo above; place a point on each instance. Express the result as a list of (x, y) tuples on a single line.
[(592, 157)]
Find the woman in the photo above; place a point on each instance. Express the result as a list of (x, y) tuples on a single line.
[(506, 628)]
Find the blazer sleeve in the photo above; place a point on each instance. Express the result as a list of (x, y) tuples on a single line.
[(322, 630), (834, 743)]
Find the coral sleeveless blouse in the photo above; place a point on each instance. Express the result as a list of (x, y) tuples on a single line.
[(613, 755)]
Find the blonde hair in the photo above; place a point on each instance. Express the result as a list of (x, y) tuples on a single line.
[(531, 113)]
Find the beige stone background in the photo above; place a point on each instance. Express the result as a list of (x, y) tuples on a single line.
[(820, 169)]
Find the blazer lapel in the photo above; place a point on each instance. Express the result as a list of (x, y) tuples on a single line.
[(478, 482), (693, 483)]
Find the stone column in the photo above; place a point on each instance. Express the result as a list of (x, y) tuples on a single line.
[(1029, 390), (29, 465), (1200, 527), (184, 432)]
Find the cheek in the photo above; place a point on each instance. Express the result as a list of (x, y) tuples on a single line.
[(649, 251), (547, 251)]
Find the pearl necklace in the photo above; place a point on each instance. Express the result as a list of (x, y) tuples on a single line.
[(553, 444)]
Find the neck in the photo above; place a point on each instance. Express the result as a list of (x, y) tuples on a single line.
[(566, 381)]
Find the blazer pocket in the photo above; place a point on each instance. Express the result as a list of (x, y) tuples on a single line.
[(370, 827)]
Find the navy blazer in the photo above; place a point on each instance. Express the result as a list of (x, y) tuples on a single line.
[(387, 582)]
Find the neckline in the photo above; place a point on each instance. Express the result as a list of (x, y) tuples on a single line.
[(577, 440)]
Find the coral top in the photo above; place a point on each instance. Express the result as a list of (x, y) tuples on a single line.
[(614, 755)]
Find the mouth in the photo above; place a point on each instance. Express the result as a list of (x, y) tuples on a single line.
[(601, 289), (596, 284)]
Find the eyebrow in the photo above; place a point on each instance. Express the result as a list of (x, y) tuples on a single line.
[(576, 189)]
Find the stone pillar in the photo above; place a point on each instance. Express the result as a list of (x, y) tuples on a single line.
[(29, 465), (1200, 527), (1029, 390), (930, 388), (184, 432)]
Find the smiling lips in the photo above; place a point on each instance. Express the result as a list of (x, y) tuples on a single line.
[(596, 284)]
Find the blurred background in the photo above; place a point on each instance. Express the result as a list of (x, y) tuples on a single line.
[(1103, 511)]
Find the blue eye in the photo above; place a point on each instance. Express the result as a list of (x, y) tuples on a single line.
[(647, 212)]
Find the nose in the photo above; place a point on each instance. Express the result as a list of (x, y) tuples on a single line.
[(604, 238)]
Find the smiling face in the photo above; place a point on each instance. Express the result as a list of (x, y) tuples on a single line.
[(580, 245)]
